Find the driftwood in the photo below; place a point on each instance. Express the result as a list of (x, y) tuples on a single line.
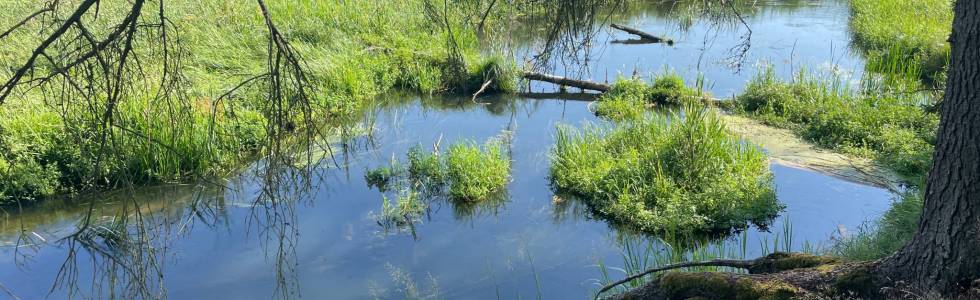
[(643, 35), (564, 81)]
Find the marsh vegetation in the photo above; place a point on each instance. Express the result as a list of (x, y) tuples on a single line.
[(264, 118), (467, 174), (684, 173)]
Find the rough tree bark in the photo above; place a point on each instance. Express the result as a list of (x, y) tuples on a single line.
[(944, 255)]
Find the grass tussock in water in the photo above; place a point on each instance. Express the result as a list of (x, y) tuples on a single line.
[(352, 50), (895, 130), (911, 31), (683, 174), (628, 98), (467, 173), (476, 173)]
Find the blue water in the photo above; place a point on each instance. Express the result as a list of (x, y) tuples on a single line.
[(321, 241)]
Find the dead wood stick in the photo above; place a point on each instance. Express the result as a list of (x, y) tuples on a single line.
[(640, 33), (582, 84), (482, 88)]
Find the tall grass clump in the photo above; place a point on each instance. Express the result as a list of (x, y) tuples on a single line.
[(475, 172), (912, 31), (893, 129), (628, 97), (682, 174)]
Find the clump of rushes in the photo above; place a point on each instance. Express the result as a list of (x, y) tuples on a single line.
[(628, 97), (681, 174), (477, 173), (467, 174), (407, 209), (918, 28), (893, 129)]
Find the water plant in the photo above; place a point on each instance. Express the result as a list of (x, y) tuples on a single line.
[(476, 173), (406, 209), (472, 176), (683, 173), (628, 97)]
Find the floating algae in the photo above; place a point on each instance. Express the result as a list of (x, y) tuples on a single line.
[(785, 148)]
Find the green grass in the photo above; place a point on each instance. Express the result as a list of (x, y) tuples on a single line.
[(628, 98), (406, 209), (477, 173), (467, 173), (895, 130), (353, 51), (686, 173), (914, 30)]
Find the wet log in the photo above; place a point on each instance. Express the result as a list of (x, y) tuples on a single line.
[(564, 81), (641, 34)]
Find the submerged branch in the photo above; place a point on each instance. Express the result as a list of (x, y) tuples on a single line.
[(643, 35)]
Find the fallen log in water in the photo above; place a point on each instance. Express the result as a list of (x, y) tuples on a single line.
[(641, 34), (585, 85), (564, 81)]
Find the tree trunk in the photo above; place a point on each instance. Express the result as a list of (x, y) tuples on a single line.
[(944, 255)]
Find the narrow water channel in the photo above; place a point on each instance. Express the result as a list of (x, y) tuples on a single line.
[(322, 241)]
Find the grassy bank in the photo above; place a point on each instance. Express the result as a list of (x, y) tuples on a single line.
[(684, 174), (52, 146), (895, 130), (912, 32)]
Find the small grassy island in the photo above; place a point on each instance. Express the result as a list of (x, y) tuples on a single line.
[(684, 174), (466, 174)]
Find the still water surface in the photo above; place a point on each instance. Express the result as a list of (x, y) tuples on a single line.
[(322, 241)]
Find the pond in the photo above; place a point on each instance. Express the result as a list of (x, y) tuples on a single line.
[(318, 238)]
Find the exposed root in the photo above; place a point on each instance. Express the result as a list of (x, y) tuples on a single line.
[(767, 279)]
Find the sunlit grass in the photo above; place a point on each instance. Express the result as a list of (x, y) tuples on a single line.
[(473, 177), (353, 51), (894, 129), (477, 172), (917, 29), (628, 98), (685, 173)]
